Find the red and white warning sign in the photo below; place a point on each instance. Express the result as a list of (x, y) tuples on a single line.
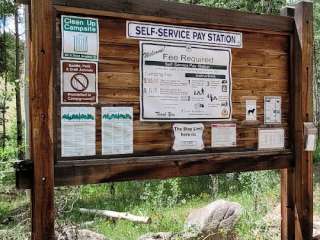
[(79, 82)]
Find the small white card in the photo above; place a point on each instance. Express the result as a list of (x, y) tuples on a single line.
[(251, 110), (311, 143), (272, 110), (188, 136), (224, 135), (272, 138)]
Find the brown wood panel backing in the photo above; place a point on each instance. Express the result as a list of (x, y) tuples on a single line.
[(260, 68)]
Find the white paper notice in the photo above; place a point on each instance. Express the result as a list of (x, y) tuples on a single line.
[(272, 110), (251, 110), (223, 135), (80, 38), (78, 131), (272, 138), (117, 130), (311, 143), (188, 136), (184, 83)]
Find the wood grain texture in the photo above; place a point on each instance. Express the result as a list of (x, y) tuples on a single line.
[(287, 175), (303, 112), (86, 171), (260, 68), (41, 118), (181, 12)]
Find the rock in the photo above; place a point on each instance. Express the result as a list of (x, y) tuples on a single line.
[(218, 216), (72, 233), (316, 237), (157, 236), (316, 226)]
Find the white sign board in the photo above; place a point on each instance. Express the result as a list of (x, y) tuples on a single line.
[(79, 82), (224, 135), (78, 131), (251, 110), (180, 82), (272, 110), (272, 138), (188, 136), (117, 130), (153, 31), (80, 38)]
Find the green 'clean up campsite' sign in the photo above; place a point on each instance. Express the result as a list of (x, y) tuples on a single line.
[(80, 38)]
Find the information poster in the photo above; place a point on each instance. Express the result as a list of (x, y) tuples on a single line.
[(78, 131), (223, 135), (251, 110), (117, 130), (272, 138), (188, 136), (184, 83), (79, 82), (80, 38), (272, 110)]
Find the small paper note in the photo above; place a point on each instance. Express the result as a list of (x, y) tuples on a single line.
[(188, 136), (251, 110), (224, 135), (271, 138)]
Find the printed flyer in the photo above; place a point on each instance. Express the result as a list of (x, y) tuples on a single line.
[(78, 131), (224, 135), (272, 138), (272, 110), (182, 83), (117, 130), (188, 136)]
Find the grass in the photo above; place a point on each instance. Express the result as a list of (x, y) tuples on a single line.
[(167, 218), (257, 193)]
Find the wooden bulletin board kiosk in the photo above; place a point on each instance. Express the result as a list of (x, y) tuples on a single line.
[(144, 89)]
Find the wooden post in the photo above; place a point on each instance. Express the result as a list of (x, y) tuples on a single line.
[(287, 175), (287, 204), (296, 184), (41, 113), (303, 112)]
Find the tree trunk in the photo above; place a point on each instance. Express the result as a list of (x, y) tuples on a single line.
[(17, 85), (4, 97)]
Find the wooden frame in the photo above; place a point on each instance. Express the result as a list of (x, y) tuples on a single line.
[(47, 170)]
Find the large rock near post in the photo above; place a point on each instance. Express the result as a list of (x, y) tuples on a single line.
[(216, 217)]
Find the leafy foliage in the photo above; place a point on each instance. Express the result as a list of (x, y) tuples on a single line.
[(262, 6)]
